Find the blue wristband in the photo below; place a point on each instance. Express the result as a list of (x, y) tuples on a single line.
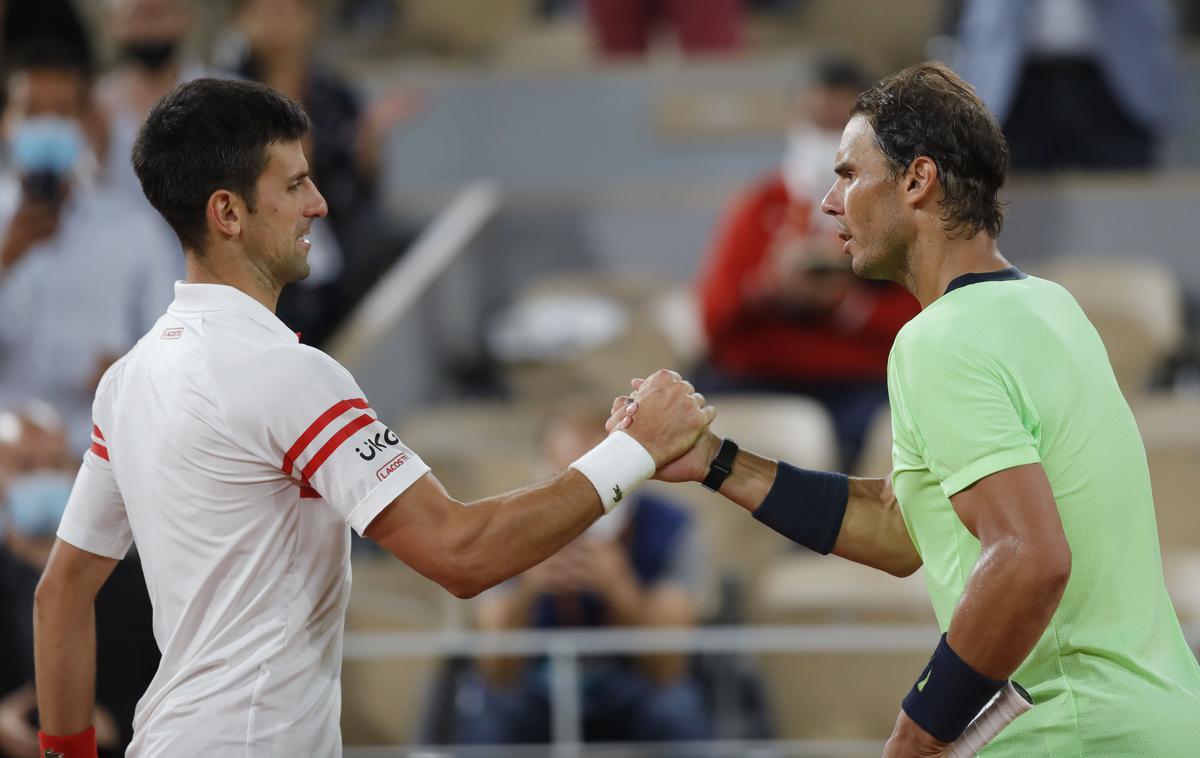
[(806, 506), (949, 694)]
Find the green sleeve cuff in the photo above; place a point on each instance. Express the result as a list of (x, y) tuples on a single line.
[(989, 464)]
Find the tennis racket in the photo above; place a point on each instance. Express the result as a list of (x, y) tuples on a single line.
[(1002, 710)]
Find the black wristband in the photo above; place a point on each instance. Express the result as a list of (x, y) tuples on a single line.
[(721, 465), (806, 506), (948, 695)]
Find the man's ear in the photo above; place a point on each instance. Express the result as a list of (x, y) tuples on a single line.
[(921, 180), (225, 212)]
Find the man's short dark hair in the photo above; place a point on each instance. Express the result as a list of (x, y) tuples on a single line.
[(208, 135), (929, 110)]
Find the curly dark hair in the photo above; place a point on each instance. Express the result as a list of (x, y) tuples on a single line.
[(929, 110)]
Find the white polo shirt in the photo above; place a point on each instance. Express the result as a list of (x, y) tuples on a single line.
[(235, 457)]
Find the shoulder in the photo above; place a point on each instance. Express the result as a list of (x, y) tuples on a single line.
[(254, 377)]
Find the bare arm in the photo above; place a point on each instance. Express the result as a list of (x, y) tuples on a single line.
[(1015, 587), (468, 548), (872, 531), (64, 628), (1021, 574)]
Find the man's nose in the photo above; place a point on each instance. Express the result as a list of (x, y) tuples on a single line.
[(319, 209), (829, 203)]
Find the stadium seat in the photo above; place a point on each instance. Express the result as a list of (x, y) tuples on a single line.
[(1170, 427)]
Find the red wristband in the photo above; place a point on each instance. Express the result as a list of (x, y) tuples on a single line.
[(82, 745)]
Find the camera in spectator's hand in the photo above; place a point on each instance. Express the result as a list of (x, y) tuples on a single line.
[(43, 187)]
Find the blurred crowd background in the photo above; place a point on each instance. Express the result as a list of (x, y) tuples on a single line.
[(532, 201)]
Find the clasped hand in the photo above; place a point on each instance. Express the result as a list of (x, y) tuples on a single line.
[(672, 423)]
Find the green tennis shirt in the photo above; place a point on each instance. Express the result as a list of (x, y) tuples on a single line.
[(1005, 370)]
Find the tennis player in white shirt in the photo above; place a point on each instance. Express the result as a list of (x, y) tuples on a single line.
[(238, 459)]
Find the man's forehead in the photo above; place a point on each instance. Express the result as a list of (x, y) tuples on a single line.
[(858, 141), (286, 158)]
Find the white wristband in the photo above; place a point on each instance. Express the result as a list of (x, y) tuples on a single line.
[(615, 467)]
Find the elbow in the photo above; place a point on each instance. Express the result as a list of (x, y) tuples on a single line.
[(1045, 572), (462, 587), (906, 566), (45, 594), (464, 577), (1058, 569)]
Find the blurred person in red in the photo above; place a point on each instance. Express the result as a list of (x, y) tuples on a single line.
[(782, 311), (646, 568), (625, 28), (36, 473)]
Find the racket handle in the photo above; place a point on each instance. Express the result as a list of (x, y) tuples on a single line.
[(1009, 703)]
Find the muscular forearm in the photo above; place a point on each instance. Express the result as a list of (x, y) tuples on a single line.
[(65, 659), (504, 535), (872, 532), (1010, 596)]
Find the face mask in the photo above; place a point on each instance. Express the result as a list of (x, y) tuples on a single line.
[(47, 144), (36, 502), (808, 166), (152, 55)]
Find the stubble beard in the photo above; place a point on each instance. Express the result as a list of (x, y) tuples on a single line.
[(891, 264)]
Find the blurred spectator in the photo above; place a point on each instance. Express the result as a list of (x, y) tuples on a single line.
[(36, 473), (343, 152), (624, 28), (149, 37), (782, 310), (27, 20), (640, 566), (83, 273), (1076, 84)]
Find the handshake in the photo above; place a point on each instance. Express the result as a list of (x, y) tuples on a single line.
[(668, 418)]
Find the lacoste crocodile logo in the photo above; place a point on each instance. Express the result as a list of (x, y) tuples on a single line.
[(617, 494)]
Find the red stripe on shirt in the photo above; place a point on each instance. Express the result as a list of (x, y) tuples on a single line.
[(96, 431), (309, 493), (333, 444), (100, 450), (318, 426)]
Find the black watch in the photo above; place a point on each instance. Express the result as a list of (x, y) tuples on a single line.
[(721, 465)]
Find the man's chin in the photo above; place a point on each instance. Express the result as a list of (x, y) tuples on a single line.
[(298, 273)]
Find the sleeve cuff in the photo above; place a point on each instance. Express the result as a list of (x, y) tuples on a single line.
[(93, 541), (384, 493), (989, 464)]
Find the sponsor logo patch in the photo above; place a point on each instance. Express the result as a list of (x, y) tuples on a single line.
[(173, 333), (374, 445), (390, 466)]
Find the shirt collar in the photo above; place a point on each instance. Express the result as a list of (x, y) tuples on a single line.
[(1011, 273), (195, 298)]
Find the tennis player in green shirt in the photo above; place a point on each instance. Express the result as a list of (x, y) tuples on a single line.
[(1019, 478)]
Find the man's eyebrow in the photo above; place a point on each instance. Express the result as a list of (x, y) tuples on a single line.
[(298, 176)]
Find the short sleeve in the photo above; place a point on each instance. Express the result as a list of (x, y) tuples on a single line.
[(95, 518), (304, 414), (964, 413)]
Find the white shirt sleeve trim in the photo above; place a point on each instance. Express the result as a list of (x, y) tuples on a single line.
[(385, 492)]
